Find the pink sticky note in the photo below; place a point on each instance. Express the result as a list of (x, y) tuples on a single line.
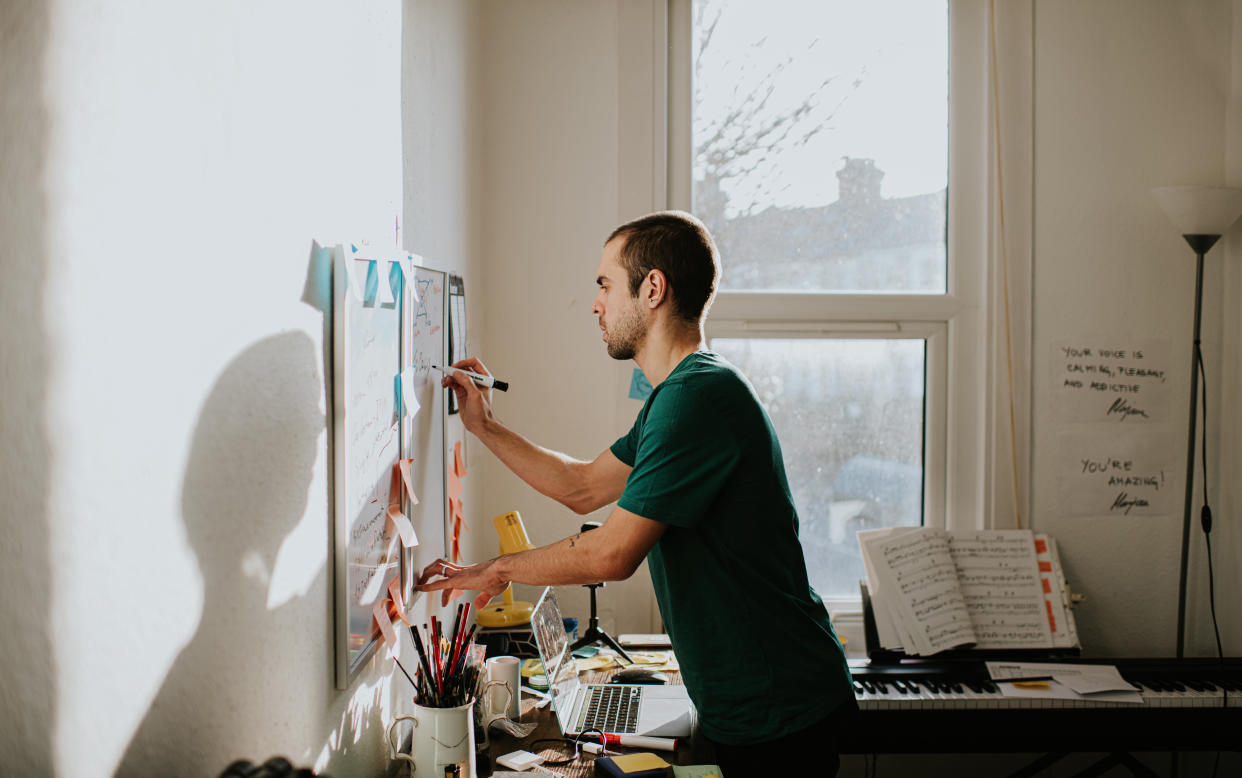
[(455, 488), (404, 528), (408, 478), (380, 612)]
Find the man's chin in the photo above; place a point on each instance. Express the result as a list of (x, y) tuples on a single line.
[(620, 353)]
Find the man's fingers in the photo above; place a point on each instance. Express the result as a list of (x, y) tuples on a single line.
[(483, 599), (448, 595), (438, 567), (473, 365)]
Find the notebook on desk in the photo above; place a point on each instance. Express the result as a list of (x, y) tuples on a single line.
[(661, 710)]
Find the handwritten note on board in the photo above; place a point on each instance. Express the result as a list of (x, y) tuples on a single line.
[(1117, 474), (1119, 379)]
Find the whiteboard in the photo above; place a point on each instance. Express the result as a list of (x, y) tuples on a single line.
[(384, 318), (425, 338), (366, 443)]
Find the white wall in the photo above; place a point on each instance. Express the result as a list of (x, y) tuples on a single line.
[(1129, 96), (166, 572), (550, 88)]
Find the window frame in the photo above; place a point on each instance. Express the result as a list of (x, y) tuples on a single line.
[(953, 325)]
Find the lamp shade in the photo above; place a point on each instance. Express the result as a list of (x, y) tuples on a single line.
[(1200, 210)]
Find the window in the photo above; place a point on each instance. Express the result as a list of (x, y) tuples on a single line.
[(813, 139)]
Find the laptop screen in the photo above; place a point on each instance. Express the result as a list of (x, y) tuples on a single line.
[(553, 644)]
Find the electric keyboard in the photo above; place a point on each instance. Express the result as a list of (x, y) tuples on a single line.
[(929, 706)]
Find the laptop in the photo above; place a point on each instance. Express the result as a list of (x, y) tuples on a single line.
[(661, 710)]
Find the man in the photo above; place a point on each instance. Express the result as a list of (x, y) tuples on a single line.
[(701, 493)]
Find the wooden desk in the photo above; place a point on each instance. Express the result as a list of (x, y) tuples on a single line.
[(689, 750)]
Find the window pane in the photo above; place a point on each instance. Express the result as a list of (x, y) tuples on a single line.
[(849, 414), (820, 132)]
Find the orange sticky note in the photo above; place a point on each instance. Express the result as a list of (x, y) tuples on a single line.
[(459, 467), (404, 528), (455, 488), (394, 592), (408, 478), (380, 612)]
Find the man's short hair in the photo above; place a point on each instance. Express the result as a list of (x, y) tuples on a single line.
[(679, 246)]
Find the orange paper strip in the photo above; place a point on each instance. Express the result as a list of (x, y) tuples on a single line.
[(380, 612), (404, 528), (455, 488), (406, 476), (394, 591), (459, 467)]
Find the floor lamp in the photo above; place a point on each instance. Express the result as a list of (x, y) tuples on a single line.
[(1202, 214)]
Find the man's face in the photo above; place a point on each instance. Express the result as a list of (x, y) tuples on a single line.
[(621, 317)]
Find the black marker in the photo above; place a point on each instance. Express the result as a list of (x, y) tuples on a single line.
[(485, 381)]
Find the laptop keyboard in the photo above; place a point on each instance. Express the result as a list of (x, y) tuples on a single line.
[(612, 709)]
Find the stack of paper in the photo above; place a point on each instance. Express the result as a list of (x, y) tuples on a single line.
[(1054, 680)]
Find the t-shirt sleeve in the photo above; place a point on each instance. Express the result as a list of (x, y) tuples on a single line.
[(683, 459), (626, 447)]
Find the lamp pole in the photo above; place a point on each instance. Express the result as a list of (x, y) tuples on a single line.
[(1200, 244)]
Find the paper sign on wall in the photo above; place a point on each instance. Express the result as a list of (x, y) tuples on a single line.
[(1116, 474), (1124, 380)]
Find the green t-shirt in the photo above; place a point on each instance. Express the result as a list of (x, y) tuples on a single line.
[(757, 651)]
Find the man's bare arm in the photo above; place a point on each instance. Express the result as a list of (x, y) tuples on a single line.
[(611, 553), (579, 485)]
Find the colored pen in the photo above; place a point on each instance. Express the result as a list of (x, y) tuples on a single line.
[(485, 381), (641, 741)]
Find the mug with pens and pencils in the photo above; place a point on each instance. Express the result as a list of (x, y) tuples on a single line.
[(447, 683)]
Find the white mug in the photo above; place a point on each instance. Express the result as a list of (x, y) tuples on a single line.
[(506, 670)]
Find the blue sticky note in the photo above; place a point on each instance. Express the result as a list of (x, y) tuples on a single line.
[(640, 387)]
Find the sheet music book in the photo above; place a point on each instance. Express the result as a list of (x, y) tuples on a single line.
[(934, 590)]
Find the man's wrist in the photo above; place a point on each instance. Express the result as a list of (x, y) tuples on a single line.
[(502, 568)]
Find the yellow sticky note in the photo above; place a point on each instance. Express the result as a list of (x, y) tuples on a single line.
[(632, 763)]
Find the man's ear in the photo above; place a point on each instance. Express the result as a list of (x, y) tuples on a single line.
[(656, 289)]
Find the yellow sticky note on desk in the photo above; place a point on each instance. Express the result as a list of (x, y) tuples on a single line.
[(632, 763)]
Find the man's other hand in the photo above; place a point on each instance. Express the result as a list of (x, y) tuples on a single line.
[(454, 579)]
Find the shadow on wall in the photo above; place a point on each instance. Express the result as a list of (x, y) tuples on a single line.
[(27, 680), (252, 682)]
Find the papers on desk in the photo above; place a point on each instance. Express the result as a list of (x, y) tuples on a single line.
[(652, 640), (1052, 680)]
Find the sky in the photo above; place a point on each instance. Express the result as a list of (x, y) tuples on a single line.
[(888, 100)]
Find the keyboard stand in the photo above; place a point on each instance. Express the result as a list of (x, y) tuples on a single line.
[(1115, 759)]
